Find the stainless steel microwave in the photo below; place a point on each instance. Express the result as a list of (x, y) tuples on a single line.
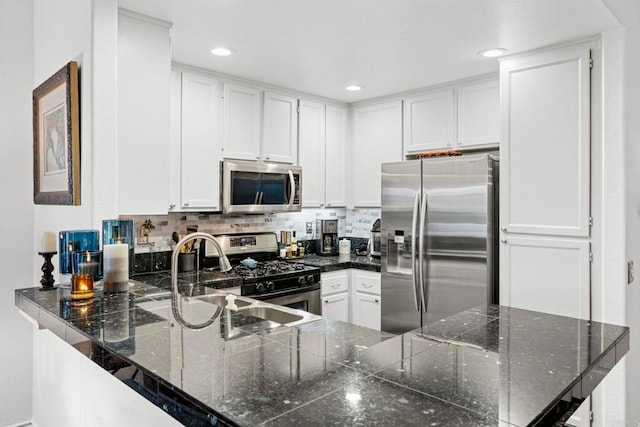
[(254, 187)]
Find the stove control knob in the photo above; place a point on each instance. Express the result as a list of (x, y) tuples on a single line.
[(310, 279), (302, 280), (260, 287), (270, 286)]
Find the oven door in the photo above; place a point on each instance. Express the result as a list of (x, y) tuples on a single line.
[(307, 300)]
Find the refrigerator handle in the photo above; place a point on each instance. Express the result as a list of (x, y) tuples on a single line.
[(414, 259), (424, 275)]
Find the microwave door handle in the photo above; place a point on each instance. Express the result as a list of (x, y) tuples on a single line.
[(424, 276), (261, 197), (292, 191), (256, 199), (414, 259)]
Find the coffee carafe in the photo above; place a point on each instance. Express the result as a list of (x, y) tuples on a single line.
[(327, 235)]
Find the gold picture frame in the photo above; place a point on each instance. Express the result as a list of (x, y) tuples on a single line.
[(56, 139)]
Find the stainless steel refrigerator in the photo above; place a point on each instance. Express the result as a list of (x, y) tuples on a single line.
[(439, 254)]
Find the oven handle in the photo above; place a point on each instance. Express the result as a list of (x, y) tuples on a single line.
[(285, 292)]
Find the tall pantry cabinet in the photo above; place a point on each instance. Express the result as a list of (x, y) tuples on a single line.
[(545, 178)]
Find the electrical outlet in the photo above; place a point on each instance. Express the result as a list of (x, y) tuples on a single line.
[(309, 227), (630, 272)]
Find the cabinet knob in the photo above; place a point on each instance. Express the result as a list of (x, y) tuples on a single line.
[(366, 285), (186, 203), (503, 240), (326, 301), (504, 229), (328, 204), (172, 205), (267, 158), (257, 157), (377, 301)]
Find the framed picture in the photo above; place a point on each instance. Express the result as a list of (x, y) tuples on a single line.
[(56, 139)]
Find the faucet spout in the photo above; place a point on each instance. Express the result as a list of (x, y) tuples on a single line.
[(225, 265)]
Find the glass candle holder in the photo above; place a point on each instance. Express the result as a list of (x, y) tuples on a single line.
[(81, 286), (89, 262), (72, 241)]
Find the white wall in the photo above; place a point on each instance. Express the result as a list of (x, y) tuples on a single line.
[(16, 214)]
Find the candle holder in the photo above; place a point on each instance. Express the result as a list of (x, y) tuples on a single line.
[(89, 262), (81, 286), (47, 279)]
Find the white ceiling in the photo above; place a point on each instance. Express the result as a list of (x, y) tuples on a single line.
[(387, 46)]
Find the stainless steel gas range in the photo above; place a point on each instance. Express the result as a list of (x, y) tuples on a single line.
[(264, 276)]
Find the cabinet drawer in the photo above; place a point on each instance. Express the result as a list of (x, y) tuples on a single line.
[(366, 282), (334, 282)]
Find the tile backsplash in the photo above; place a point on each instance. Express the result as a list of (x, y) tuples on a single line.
[(351, 223)]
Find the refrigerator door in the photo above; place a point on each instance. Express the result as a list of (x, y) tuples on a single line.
[(401, 198), (458, 234)]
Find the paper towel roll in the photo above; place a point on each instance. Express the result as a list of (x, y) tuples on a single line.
[(345, 247)]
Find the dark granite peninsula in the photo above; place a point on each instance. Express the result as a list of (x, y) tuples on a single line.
[(495, 367)]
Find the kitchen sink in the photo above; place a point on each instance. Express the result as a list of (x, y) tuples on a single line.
[(272, 314), (221, 300)]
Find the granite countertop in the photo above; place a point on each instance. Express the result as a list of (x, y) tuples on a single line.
[(332, 263), (498, 366)]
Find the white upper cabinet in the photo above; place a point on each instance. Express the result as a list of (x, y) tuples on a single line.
[(479, 114), (429, 122), (200, 147), (280, 131), (545, 144), (241, 122), (143, 114), (336, 155), (311, 152), (461, 117), (377, 139)]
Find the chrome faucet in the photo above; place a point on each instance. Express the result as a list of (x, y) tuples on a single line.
[(225, 265)]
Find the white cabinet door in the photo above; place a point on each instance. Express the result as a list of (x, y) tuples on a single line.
[(377, 138), (365, 302), (366, 310), (551, 275), (241, 122), (280, 128), (200, 148), (545, 144), (334, 282), (311, 153), (336, 307), (175, 136), (429, 122), (478, 115), (336, 155), (143, 116)]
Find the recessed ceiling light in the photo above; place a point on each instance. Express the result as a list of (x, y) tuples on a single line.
[(353, 88), (222, 51), (494, 52)]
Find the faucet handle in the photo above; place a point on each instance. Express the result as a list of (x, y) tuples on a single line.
[(231, 302)]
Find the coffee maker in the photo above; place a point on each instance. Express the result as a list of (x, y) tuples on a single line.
[(327, 235)]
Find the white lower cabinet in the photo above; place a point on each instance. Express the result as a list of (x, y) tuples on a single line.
[(365, 307), (335, 295), (352, 296)]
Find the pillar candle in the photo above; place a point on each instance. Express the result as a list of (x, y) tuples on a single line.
[(116, 267), (49, 241)]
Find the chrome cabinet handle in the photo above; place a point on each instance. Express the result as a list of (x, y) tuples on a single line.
[(267, 158), (257, 157), (504, 229), (326, 301), (172, 205), (335, 285), (186, 203), (366, 285), (503, 240), (377, 301)]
